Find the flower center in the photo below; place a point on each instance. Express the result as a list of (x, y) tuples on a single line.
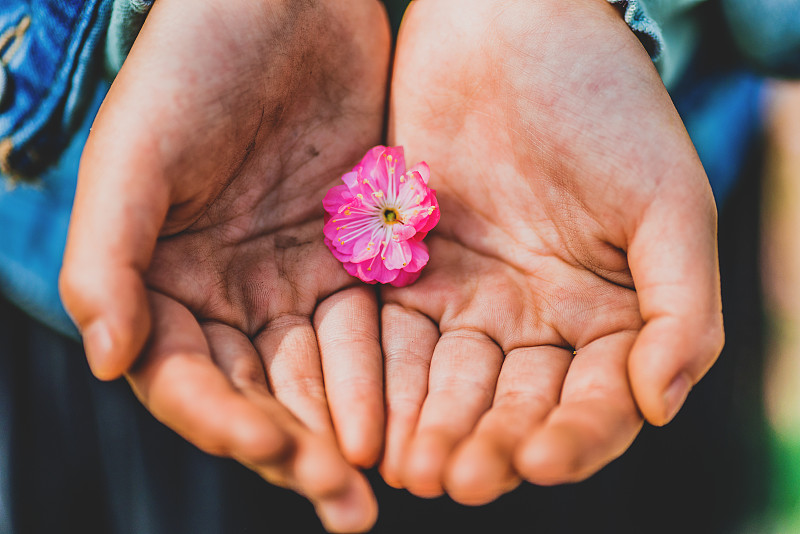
[(390, 216)]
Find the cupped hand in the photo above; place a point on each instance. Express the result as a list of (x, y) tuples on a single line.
[(196, 238), (573, 283)]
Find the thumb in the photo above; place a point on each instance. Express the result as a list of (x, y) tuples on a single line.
[(674, 263), (120, 206)]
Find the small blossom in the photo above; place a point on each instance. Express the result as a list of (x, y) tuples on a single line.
[(376, 220)]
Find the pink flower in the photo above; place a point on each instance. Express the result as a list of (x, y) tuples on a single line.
[(375, 222)]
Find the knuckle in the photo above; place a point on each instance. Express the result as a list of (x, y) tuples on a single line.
[(403, 406), (711, 343), (69, 283), (73, 289)]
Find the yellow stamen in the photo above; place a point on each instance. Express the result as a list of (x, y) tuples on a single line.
[(390, 216)]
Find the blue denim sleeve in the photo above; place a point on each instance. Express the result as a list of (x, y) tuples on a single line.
[(642, 24), (767, 32), (127, 18), (47, 52), (50, 88), (33, 230), (668, 29)]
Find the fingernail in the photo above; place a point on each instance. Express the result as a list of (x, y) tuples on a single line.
[(676, 394), (97, 344)]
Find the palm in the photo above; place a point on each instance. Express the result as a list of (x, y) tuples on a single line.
[(545, 197), (242, 249), (229, 124)]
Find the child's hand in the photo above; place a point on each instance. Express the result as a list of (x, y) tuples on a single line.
[(197, 228), (575, 215)]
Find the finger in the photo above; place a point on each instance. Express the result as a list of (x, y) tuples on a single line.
[(463, 375), (289, 350), (528, 388), (317, 470), (347, 328), (594, 423), (234, 354), (179, 383), (675, 269), (408, 340), (313, 467), (118, 211), (235, 416)]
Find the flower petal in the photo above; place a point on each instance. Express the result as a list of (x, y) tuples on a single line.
[(372, 173), (352, 270), (382, 274), (405, 278), (403, 232), (396, 164), (329, 229), (340, 255), (398, 157), (350, 179), (396, 254), (423, 170), (433, 213), (342, 229), (419, 256), (366, 247), (336, 196), (370, 160), (374, 270)]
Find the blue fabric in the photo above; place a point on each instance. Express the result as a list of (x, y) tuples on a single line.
[(767, 32), (34, 219), (723, 114), (51, 93), (648, 30), (49, 63), (719, 96), (127, 17), (668, 29)]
